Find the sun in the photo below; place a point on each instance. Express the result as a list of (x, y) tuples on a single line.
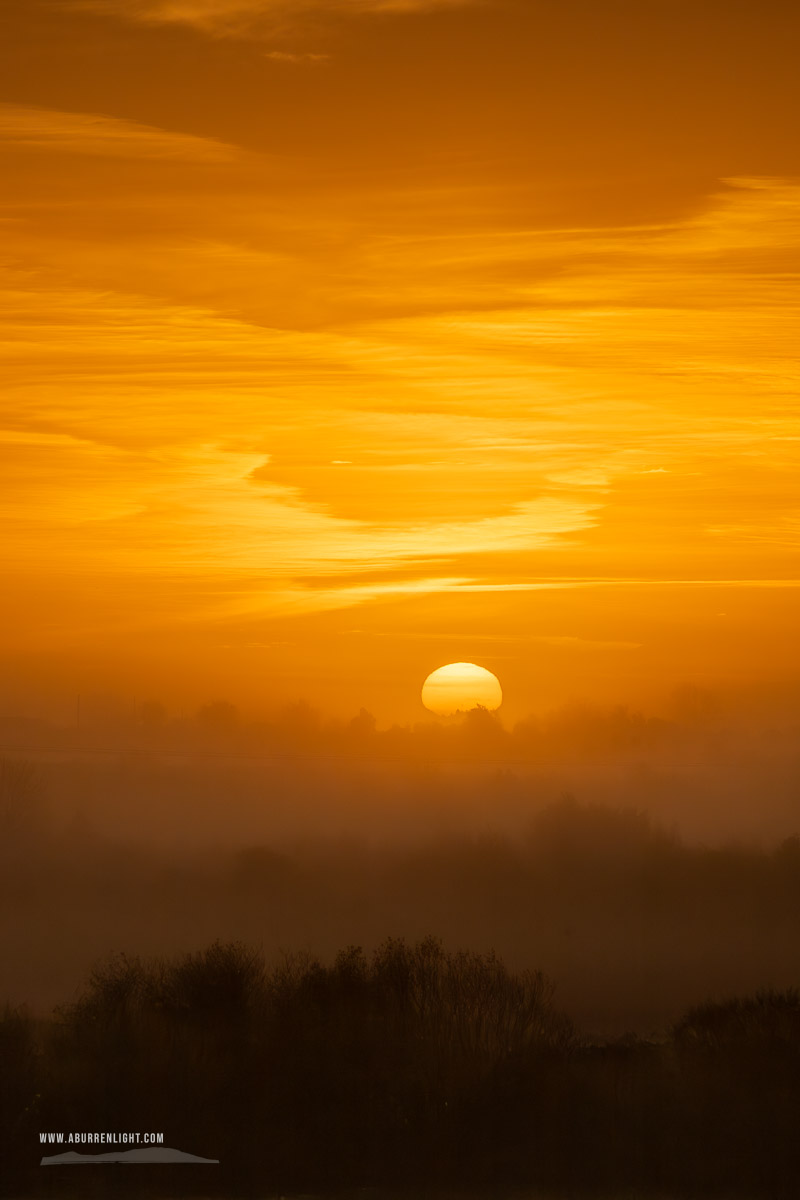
[(459, 687)]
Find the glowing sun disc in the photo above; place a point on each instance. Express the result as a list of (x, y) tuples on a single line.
[(458, 687)]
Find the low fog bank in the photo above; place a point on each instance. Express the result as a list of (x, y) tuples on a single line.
[(631, 922), (719, 766), (644, 862)]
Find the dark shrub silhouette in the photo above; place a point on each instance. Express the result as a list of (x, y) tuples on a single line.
[(768, 1021), (357, 1072), (739, 1062), (19, 1087), (411, 1067)]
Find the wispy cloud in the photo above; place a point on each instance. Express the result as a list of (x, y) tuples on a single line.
[(287, 56), (233, 17), (208, 409), (48, 130)]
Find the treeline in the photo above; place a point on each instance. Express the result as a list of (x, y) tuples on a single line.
[(409, 1068), (690, 718), (632, 922)]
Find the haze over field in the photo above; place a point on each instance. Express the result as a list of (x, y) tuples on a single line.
[(644, 861)]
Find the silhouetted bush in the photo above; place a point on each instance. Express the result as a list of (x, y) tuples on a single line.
[(769, 1021), (19, 1087), (314, 1075), (411, 1067)]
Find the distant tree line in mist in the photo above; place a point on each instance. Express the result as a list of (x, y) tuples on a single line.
[(577, 728), (410, 1068), (632, 921)]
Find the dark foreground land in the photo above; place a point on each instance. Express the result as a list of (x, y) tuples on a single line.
[(414, 1069)]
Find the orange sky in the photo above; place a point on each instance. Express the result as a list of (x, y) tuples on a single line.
[(342, 340)]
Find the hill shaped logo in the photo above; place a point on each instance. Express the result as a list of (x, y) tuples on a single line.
[(143, 1154)]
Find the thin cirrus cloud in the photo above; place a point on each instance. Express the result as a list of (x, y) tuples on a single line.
[(487, 409), (50, 131), (231, 17), (287, 56)]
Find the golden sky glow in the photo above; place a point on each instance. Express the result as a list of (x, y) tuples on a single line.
[(342, 340)]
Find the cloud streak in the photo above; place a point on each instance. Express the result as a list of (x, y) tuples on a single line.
[(461, 448), (235, 17), (50, 131), (287, 56)]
